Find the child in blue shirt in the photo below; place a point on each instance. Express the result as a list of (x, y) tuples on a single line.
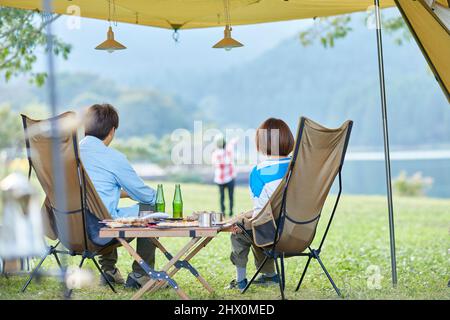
[(274, 140)]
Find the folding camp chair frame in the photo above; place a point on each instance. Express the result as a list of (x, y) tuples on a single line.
[(313, 253), (52, 250)]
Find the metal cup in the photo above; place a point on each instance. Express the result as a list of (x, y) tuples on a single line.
[(204, 220), (217, 217)]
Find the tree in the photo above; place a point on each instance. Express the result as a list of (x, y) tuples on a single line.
[(21, 33), (329, 29), (11, 134)]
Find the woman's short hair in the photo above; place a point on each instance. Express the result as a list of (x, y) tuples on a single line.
[(274, 138), (100, 119)]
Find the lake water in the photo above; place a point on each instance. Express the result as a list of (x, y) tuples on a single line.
[(365, 174)]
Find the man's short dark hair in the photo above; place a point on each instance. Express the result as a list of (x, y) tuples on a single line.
[(100, 119)]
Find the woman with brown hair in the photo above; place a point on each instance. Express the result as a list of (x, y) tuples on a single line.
[(274, 140)]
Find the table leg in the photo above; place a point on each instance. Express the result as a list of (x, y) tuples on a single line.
[(177, 257), (194, 252), (159, 275)]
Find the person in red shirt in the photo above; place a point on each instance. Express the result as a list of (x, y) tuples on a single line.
[(224, 171)]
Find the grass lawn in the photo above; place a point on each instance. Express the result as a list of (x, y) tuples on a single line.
[(356, 248)]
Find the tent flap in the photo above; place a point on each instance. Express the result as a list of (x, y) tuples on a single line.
[(430, 29)]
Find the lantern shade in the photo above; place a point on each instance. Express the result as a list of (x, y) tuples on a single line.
[(110, 44), (227, 42)]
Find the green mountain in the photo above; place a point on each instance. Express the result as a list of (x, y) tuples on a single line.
[(287, 81), (143, 111), (332, 85)]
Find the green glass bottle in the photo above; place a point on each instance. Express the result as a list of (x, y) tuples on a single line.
[(177, 203), (160, 204)]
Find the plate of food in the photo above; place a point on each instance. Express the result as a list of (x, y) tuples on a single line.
[(114, 224), (155, 215), (177, 224), (128, 222)]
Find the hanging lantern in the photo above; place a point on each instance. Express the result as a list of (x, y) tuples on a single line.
[(110, 44), (227, 42)]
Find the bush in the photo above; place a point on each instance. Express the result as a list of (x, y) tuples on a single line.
[(11, 132), (413, 186), (147, 148), (189, 176)]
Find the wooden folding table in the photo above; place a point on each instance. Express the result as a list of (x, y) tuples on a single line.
[(200, 237)]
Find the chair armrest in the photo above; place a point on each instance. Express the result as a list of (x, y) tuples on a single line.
[(240, 217)]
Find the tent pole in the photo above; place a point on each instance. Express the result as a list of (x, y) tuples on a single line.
[(58, 170), (386, 142)]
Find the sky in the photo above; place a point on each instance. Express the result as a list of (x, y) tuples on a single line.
[(155, 50), (153, 57)]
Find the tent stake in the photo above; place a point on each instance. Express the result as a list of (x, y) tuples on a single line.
[(387, 158)]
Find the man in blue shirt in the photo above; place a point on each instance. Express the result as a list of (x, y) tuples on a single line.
[(114, 178)]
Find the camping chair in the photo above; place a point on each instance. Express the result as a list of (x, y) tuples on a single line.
[(77, 225), (286, 226)]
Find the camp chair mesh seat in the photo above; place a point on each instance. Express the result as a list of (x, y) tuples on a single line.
[(77, 225), (286, 226)]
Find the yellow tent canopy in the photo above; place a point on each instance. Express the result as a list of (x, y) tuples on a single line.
[(430, 27), (188, 14)]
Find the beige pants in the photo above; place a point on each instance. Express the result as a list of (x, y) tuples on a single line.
[(241, 245)]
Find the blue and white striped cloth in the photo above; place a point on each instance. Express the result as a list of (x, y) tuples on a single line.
[(264, 179)]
